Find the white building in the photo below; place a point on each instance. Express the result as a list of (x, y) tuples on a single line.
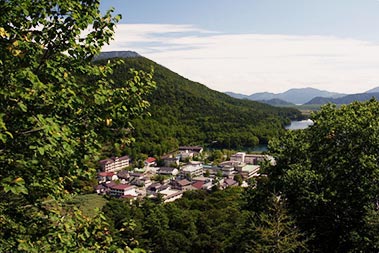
[(170, 195), (248, 171), (114, 164), (227, 171), (254, 158), (119, 190), (193, 169), (238, 157)]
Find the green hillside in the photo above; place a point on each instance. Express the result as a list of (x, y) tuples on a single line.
[(188, 113)]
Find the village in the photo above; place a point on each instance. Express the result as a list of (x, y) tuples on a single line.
[(180, 173)]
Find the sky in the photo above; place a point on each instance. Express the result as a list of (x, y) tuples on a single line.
[(249, 46)]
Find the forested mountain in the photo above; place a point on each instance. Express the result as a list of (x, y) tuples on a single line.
[(185, 112), (276, 102)]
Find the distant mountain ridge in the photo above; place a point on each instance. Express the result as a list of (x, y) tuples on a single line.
[(307, 96), (292, 96), (374, 90), (345, 99)]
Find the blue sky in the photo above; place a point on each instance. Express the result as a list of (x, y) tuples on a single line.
[(249, 46)]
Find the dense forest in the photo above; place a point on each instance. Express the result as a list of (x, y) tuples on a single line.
[(185, 113), (220, 221)]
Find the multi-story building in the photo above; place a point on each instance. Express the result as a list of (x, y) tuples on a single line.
[(254, 158), (193, 169), (114, 164), (119, 190), (248, 171), (238, 157)]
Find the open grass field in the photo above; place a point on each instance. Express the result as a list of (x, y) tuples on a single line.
[(89, 202)]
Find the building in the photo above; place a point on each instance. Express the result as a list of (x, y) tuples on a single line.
[(193, 169), (254, 158), (171, 161), (248, 171), (170, 195), (228, 171), (114, 164), (191, 149), (155, 188), (212, 170), (184, 155), (238, 157), (119, 190), (204, 183), (168, 171), (182, 185), (230, 163), (123, 174), (103, 177), (229, 183), (150, 161)]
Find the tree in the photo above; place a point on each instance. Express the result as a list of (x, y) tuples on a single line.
[(328, 176), (274, 231), (238, 178), (56, 110)]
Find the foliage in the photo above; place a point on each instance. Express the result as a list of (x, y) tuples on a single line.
[(328, 176), (188, 113), (56, 110), (275, 231), (206, 222)]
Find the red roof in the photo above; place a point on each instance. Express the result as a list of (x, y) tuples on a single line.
[(150, 160), (121, 186), (105, 174), (184, 182), (198, 185)]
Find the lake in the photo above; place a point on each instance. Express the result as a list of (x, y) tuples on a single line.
[(302, 124), (295, 125)]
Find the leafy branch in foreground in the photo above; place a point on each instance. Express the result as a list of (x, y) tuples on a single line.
[(56, 110)]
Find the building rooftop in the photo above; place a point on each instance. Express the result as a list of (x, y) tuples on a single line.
[(150, 160), (105, 174), (121, 186), (250, 168), (198, 185)]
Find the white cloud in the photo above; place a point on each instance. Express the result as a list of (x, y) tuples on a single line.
[(249, 63)]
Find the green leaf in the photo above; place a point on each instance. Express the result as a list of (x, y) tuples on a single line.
[(22, 106)]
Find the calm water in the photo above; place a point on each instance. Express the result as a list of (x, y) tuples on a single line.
[(302, 124), (260, 148)]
